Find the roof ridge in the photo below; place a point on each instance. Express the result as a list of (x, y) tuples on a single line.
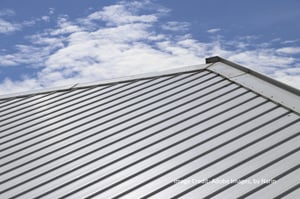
[(280, 84), (74, 86)]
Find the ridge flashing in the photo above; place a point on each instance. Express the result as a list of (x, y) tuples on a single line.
[(106, 81), (272, 89)]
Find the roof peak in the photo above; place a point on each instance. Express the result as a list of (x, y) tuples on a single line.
[(255, 81), (216, 59)]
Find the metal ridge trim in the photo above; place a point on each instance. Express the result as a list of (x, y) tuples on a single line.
[(215, 59), (263, 85), (74, 86)]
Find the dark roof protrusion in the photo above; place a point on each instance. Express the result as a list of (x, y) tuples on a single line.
[(214, 59)]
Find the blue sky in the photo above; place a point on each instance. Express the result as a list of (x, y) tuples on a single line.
[(54, 43)]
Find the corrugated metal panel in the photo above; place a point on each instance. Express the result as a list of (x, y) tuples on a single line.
[(189, 134)]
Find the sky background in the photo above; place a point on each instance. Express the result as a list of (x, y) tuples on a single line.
[(53, 43)]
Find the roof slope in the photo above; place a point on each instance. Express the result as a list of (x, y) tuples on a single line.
[(214, 130)]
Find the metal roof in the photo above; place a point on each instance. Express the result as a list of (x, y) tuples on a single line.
[(214, 130)]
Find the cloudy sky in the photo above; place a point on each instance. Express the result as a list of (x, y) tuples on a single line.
[(52, 43)]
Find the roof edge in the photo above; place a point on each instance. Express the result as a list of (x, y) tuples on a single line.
[(107, 81), (263, 85), (215, 59)]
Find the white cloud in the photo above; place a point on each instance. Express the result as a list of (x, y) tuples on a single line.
[(29, 23), (65, 27), (214, 30), (51, 11), (290, 41), (19, 86), (33, 55), (7, 12), (32, 22), (289, 50), (120, 14), (7, 27), (287, 78), (121, 40), (45, 18), (176, 26)]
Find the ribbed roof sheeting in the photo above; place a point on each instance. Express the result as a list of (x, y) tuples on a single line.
[(178, 135)]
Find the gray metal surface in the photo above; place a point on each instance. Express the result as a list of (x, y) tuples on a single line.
[(191, 134)]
